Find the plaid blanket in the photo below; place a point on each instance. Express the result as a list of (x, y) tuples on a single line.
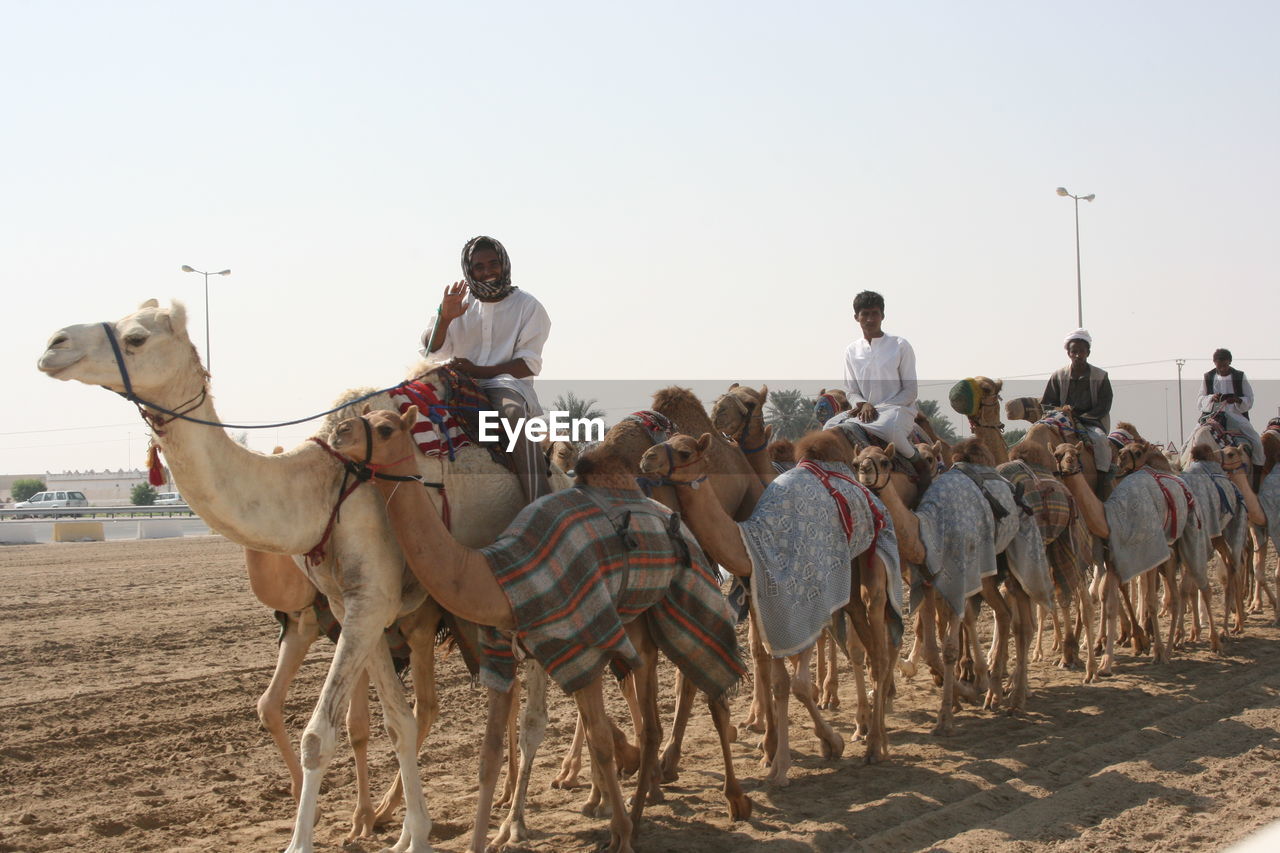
[(580, 564), (1143, 529), (801, 555), (1049, 499), (1221, 508), (962, 538)]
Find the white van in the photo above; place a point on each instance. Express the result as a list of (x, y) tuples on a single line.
[(168, 499), (52, 500)]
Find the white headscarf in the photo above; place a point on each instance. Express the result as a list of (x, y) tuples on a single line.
[(1079, 335)]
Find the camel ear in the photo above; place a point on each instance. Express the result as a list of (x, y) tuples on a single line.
[(734, 385), (409, 417), (366, 409), (177, 317), (704, 442), (764, 393), (890, 451), (998, 383), (277, 449), (150, 303)]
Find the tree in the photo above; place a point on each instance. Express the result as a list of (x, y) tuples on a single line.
[(1013, 436), (578, 408), (23, 489), (790, 413), (143, 494), (941, 424)]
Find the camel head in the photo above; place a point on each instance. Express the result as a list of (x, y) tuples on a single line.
[(1132, 457), (874, 466), (680, 459), (988, 402), (1233, 459), (162, 364), (1024, 409), (930, 453), (377, 438), (562, 454), (1068, 458), (739, 408), (830, 403)]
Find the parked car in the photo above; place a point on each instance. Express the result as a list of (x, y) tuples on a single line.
[(52, 500), (168, 499)]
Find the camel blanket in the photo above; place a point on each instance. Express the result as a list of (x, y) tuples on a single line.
[(1143, 529), (800, 555), (1269, 496), (1048, 498), (1220, 503), (580, 564), (962, 538)]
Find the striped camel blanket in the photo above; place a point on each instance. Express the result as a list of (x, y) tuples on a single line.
[(1148, 514), (1048, 498), (801, 551), (1269, 496), (580, 564), (962, 538)]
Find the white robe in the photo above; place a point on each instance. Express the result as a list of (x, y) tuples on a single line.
[(882, 372), (1236, 419)]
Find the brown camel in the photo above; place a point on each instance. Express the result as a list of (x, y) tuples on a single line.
[(465, 582), (681, 460)]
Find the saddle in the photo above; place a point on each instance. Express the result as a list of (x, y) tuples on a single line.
[(859, 437)]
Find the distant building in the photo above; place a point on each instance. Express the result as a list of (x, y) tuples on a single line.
[(104, 488)]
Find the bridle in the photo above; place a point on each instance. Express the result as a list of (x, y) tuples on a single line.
[(747, 409), (648, 484)]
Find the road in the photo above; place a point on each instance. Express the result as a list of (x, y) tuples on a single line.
[(114, 529)]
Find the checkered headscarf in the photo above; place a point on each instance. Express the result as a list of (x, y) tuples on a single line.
[(487, 291)]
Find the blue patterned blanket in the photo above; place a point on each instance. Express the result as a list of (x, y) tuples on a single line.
[(800, 556), (1269, 496), (1221, 508), (1143, 528)]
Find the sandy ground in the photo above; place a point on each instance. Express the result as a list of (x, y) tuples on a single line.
[(129, 673)]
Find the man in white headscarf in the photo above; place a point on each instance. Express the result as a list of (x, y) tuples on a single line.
[(1087, 390)]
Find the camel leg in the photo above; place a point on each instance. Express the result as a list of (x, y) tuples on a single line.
[(644, 683), (1084, 604), (513, 746), (761, 693), (362, 819), (533, 728), (867, 609), (998, 661), (670, 762), (1187, 590), (1139, 637), (1107, 614), (1206, 604), (778, 759), (803, 688), (926, 646), (300, 632), (361, 638), (740, 805), (1021, 613), (401, 727), (419, 631), (1173, 597), (1151, 593), (571, 766), (949, 629), (495, 729), (828, 670), (590, 701), (858, 654)]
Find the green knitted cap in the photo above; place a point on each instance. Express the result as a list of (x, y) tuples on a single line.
[(965, 396)]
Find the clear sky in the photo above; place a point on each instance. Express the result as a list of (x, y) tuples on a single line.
[(695, 190)]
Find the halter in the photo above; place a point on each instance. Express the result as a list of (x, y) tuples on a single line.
[(648, 484), (741, 437), (983, 403)]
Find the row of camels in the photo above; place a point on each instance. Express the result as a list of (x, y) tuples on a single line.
[(388, 557)]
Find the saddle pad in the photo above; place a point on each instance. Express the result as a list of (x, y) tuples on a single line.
[(580, 564)]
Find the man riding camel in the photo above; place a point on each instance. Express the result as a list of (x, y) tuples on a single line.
[(1227, 391), (1086, 388)]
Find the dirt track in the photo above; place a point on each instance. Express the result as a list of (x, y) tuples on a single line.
[(129, 673)]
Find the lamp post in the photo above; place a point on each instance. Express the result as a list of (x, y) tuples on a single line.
[(208, 359), (1182, 434), (1062, 191)]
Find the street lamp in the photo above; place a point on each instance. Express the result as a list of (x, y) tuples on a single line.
[(1062, 191), (208, 359)]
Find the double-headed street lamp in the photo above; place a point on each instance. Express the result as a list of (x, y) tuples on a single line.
[(208, 359), (1062, 191)]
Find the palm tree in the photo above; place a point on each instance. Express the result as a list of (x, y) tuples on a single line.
[(578, 408), (941, 423), (1013, 436), (790, 413)]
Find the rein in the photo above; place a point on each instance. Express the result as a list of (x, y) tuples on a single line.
[(648, 484), (741, 438)]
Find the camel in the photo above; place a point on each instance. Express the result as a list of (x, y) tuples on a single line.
[(285, 504), (485, 587), (1048, 429), (951, 507), (738, 414), (280, 504), (1153, 513), (682, 462)]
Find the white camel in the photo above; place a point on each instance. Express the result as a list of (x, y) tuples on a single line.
[(286, 504)]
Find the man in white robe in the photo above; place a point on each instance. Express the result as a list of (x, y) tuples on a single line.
[(1227, 390), (880, 379)]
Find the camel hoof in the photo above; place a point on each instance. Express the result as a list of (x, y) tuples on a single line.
[(778, 776), (740, 807), (362, 825), (595, 808), (566, 782), (833, 747), (944, 730), (753, 725), (908, 668)]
